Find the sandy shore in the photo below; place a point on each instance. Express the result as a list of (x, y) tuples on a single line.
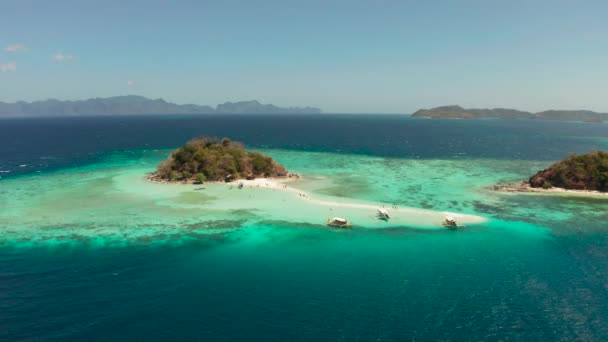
[(524, 187), (281, 184), (280, 199)]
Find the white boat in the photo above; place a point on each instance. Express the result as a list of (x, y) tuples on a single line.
[(338, 222), (383, 214)]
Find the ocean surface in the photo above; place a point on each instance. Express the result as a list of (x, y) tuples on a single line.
[(91, 251)]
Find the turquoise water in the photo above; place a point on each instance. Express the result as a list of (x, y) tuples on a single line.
[(93, 251)]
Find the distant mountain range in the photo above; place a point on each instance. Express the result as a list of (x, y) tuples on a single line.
[(457, 112), (134, 105)]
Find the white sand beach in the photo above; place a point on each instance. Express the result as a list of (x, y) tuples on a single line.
[(280, 199)]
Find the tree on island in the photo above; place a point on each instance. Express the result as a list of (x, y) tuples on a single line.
[(211, 159), (577, 172)]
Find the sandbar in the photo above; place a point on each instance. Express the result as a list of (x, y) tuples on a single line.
[(280, 199)]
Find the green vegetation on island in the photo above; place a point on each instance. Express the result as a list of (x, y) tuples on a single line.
[(576, 172), (457, 112), (211, 159)]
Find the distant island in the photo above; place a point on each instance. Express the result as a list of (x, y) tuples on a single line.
[(457, 112), (137, 105), (210, 159)]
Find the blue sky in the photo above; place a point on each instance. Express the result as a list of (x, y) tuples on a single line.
[(343, 56)]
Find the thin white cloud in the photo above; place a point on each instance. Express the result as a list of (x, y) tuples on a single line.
[(60, 57), (8, 67), (130, 83), (16, 48)]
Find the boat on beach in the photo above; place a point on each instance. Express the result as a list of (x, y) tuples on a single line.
[(383, 214), (450, 222), (338, 222)]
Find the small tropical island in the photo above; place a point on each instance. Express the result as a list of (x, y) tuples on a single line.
[(217, 160), (582, 174), (576, 172), (265, 185)]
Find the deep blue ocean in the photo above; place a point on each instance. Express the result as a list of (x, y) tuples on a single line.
[(524, 276), (45, 144)]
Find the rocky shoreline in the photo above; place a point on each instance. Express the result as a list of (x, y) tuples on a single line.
[(524, 187), (290, 177)]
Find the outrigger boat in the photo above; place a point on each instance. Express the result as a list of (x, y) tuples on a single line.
[(383, 214), (450, 222), (338, 222)]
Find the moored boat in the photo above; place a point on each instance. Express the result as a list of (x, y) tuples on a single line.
[(338, 222), (383, 214), (450, 222)]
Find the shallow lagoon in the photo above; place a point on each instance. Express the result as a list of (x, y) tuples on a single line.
[(114, 200)]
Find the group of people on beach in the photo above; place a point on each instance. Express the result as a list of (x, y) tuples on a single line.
[(394, 206)]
